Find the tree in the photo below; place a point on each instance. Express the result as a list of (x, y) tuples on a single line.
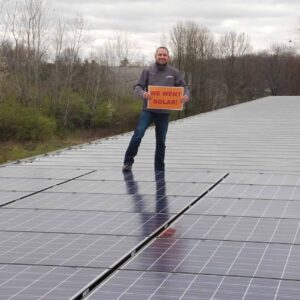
[(232, 49), (3, 69), (26, 23), (193, 49), (3, 73), (275, 67), (68, 45)]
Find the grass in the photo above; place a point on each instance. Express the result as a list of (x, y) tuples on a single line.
[(12, 150)]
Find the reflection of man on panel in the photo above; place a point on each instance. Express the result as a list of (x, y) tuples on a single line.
[(151, 219), (158, 74)]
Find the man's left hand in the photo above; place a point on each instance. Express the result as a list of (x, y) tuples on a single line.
[(185, 99)]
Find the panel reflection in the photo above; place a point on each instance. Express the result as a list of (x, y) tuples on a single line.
[(154, 219)]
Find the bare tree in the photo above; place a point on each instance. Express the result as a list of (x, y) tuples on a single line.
[(234, 44), (232, 48), (35, 24), (57, 43), (3, 73), (26, 24), (69, 56), (2, 37), (275, 66), (178, 43), (117, 48), (194, 49), (3, 26)]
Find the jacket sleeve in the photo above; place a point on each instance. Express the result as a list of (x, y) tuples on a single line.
[(142, 84), (180, 82)]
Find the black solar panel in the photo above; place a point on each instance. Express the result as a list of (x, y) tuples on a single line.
[(103, 202), (91, 228), (263, 179), (26, 185), (88, 222), (39, 173), (241, 241), (137, 285), (80, 227), (8, 196), (273, 192), (269, 230), (70, 250), (247, 207), (28, 282), (119, 187), (219, 258), (169, 176)]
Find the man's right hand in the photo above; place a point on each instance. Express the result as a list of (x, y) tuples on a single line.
[(146, 96)]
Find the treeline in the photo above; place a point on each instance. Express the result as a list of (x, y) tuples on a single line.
[(46, 88), (226, 71)]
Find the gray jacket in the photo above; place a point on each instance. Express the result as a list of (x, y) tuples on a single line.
[(159, 76)]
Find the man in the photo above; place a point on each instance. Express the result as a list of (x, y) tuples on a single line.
[(159, 74)]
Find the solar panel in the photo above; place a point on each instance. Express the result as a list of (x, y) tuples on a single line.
[(239, 241), (243, 236), (69, 250), (268, 230), (219, 258), (148, 188), (137, 285), (88, 222), (28, 282), (39, 173), (247, 207), (26, 185), (273, 192), (104, 202), (169, 176), (8, 196), (263, 179)]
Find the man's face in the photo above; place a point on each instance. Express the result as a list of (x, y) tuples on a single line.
[(162, 56)]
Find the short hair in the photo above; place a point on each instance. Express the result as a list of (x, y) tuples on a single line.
[(161, 47)]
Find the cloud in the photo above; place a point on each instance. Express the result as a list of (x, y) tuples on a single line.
[(266, 22)]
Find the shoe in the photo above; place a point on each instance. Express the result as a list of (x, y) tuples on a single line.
[(127, 168)]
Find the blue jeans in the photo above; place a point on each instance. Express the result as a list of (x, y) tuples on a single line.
[(161, 122)]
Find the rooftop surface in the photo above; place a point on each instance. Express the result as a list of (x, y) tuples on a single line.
[(222, 222)]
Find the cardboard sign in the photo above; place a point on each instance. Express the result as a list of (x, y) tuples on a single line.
[(165, 97)]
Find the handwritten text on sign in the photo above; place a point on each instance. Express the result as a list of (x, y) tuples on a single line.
[(165, 97)]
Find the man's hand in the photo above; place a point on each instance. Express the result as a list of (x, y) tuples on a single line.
[(185, 99), (146, 96)]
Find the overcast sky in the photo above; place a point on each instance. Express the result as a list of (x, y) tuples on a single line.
[(265, 21)]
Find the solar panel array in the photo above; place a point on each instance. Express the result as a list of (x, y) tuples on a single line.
[(81, 223), (221, 248), (221, 223)]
